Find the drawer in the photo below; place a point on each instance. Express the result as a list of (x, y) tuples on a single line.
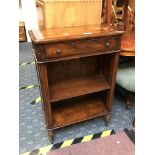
[(57, 50), (81, 47)]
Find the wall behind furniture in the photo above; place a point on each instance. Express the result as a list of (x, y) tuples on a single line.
[(28, 14)]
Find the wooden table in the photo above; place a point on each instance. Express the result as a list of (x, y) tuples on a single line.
[(76, 69)]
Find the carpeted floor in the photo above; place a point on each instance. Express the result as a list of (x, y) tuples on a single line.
[(121, 145), (92, 144), (32, 132)]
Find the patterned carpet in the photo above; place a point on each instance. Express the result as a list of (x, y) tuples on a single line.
[(32, 132)]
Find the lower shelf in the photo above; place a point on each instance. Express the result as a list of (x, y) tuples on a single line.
[(77, 111)]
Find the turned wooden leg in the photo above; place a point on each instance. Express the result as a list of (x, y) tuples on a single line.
[(107, 119), (128, 101), (50, 135)]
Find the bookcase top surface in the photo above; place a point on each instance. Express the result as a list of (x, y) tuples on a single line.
[(71, 33)]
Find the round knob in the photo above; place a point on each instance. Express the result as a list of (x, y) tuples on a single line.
[(107, 44), (58, 51)]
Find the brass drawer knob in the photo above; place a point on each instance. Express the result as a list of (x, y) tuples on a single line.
[(107, 44), (58, 51)]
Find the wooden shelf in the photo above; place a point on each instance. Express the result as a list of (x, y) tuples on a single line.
[(77, 111), (76, 87)]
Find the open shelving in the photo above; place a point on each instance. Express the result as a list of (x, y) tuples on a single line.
[(78, 109), (78, 88), (69, 88)]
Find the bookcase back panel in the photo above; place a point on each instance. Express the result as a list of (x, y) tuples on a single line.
[(82, 67)]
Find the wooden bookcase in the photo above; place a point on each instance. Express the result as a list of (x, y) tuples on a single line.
[(76, 69)]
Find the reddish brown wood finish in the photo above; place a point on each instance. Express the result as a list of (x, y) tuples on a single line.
[(78, 84), (128, 39), (108, 12), (76, 87), (128, 43), (113, 64), (126, 2), (80, 47), (77, 110), (42, 75), (72, 33), (43, 79)]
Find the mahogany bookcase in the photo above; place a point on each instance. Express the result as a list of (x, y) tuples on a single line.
[(76, 69)]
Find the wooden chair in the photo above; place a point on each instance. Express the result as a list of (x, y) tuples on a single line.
[(125, 80), (126, 71), (128, 39)]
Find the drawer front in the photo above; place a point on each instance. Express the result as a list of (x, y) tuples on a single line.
[(81, 47), (57, 50)]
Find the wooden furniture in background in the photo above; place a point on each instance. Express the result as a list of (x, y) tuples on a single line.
[(62, 13), (122, 12), (125, 81), (128, 18), (22, 32), (128, 43), (128, 39), (77, 69), (128, 53)]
